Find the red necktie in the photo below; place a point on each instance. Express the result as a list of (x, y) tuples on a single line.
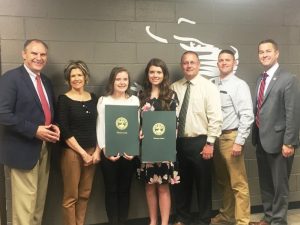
[(43, 100), (260, 97)]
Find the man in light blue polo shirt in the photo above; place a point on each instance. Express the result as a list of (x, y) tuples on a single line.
[(229, 155)]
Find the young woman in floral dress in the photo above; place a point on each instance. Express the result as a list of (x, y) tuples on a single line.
[(157, 96)]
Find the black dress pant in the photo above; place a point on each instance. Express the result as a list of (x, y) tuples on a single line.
[(117, 181), (193, 169)]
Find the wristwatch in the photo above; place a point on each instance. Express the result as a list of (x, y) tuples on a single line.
[(209, 143)]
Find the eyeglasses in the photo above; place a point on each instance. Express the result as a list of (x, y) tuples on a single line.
[(186, 63), (85, 108)]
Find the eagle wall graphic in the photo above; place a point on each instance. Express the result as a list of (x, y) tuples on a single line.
[(208, 53)]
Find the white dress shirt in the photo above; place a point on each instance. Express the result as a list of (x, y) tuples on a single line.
[(204, 115)]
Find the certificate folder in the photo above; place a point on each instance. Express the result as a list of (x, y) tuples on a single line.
[(159, 142), (121, 130)]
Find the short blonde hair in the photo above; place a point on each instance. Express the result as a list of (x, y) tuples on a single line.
[(76, 64)]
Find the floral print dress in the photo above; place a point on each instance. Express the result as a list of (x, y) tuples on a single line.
[(159, 172)]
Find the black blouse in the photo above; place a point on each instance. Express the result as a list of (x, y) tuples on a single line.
[(78, 119)]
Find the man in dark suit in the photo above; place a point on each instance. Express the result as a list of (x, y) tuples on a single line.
[(26, 115), (275, 132)]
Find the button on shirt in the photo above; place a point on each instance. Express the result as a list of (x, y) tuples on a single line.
[(237, 106), (204, 115)]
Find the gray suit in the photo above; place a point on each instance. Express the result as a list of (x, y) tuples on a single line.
[(279, 124)]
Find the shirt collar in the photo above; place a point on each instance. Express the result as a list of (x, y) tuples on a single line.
[(31, 74), (272, 70), (228, 77), (193, 81)]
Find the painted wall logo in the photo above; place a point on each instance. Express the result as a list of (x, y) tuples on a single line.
[(208, 54)]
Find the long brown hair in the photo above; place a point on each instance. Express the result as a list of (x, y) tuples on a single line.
[(165, 93)]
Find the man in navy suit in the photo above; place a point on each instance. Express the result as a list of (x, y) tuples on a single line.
[(275, 132), (26, 116)]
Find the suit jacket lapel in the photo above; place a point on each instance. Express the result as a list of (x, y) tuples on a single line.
[(271, 84), (31, 88), (256, 93)]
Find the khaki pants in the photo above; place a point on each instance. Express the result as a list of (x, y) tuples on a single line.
[(77, 180), (29, 189), (231, 175)]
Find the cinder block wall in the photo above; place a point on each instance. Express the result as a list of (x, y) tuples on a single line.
[(107, 33)]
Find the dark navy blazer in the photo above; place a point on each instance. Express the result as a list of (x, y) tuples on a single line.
[(20, 115)]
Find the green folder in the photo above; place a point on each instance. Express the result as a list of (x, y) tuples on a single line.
[(121, 130), (159, 142)]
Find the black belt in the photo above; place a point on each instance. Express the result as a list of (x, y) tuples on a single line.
[(190, 138), (229, 131)]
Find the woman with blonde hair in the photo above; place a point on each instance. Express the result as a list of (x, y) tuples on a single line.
[(77, 115)]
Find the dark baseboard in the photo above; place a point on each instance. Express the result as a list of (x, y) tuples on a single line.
[(254, 209)]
